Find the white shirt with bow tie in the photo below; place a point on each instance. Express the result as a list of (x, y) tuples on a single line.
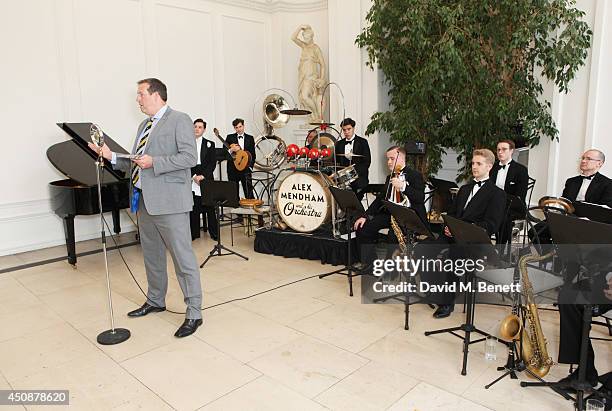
[(502, 173), (241, 141), (586, 182), (475, 189)]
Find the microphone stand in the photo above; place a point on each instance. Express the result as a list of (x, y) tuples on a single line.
[(114, 335)]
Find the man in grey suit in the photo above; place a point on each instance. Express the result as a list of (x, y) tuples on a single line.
[(161, 178)]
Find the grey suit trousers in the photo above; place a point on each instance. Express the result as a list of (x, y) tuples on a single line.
[(172, 232)]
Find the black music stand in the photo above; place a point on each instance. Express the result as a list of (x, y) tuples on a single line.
[(408, 218), (221, 155), (593, 212), (348, 202), (571, 230), (467, 234), (219, 194)]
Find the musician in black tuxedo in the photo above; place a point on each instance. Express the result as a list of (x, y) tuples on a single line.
[(590, 186), (480, 202), (410, 183), (200, 174), (513, 178), (241, 140), (353, 144)]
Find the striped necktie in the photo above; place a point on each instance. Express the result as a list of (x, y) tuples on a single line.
[(140, 150)]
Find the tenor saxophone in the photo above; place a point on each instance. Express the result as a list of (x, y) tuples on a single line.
[(533, 342)]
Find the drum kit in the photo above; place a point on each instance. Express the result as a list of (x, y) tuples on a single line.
[(299, 193)]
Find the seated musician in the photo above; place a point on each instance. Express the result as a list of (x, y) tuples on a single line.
[(480, 202), (590, 186), (513, 178), (354, 150), (571, 317), (412, 187)]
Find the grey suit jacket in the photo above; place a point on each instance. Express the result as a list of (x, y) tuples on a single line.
[(166, 187)]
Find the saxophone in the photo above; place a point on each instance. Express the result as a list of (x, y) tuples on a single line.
[(401, 238), (399, 199), (533, 342)]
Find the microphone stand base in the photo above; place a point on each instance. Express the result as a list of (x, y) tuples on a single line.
[(112, 337)]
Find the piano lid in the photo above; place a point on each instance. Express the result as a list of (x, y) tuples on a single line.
[(75, 159)]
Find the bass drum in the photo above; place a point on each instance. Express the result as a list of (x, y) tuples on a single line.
[(304, 201)]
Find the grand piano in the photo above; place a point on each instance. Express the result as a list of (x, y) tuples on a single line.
[(78, 195)]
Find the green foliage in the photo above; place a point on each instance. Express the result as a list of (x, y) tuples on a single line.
[(462, 74)]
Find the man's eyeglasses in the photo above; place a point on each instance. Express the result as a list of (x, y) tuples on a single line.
[(589, 159)]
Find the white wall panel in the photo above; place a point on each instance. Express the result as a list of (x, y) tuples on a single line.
[(31, 99), (185, 44), (245, 66), (111, 59)]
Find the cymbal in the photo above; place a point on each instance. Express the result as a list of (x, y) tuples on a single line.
[(322, 124), (350, 155), (296, 112)]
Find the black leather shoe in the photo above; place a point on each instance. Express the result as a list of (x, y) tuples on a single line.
[(214, 237), (443, 311), (146, 309), (188, 328)]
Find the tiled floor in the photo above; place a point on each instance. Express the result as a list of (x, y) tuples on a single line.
[(308, 346)]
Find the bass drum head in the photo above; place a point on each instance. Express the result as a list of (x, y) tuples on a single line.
[(304, 201)]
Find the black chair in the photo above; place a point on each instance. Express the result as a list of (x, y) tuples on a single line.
[(374, 189), (530, 187), (441, 197)]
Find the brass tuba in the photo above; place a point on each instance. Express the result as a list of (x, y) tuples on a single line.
[(273, 104), (533, 342), (271, 149)]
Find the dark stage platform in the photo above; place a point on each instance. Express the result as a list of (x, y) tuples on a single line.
[(319, 245)]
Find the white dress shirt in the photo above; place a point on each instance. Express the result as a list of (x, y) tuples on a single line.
[(586, 182), (475, 190), (502, 173), (348, 148), (195, 187)]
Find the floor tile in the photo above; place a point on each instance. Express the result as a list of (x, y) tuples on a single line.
[(205, 373), (428, 397), (40, 350), (308, 366), (228, 329), (372, 387), (263, 394)]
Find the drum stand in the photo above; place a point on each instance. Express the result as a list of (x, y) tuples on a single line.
[(347, 200)]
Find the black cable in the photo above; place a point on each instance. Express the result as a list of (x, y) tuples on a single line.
[(204, 308)]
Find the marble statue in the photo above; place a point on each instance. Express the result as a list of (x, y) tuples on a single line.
[(311, 72)]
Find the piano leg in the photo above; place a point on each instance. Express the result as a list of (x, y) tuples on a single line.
[(70, 244), (116, 221)]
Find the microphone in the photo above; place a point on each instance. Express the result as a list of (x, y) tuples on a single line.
[(97, 136)]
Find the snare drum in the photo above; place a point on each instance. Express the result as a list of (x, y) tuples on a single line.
[(304, 201), (343, 178)]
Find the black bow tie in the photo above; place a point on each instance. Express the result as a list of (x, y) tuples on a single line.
[(588, 177), (503, 167), (479, 183), (240, 136)]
